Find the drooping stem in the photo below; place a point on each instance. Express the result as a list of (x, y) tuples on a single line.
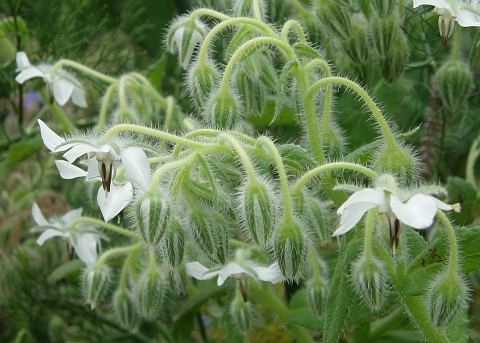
[(296, 25), (84, 69), (103, 111), (107, 226), (471, 159), (115, 252), (247, 164)]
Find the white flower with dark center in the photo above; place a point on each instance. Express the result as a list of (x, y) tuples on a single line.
[(466, 13), (60, 84), (84, 240), (103, 162), (417, 211)]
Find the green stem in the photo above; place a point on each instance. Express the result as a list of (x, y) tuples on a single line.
[(296, 25), (126, 265), (115, 252), (247, 164), (471, 159), (262, 293), (107, 226), (369, 225), (332, 166), (209, 12), (153, 263), (150, 90), (103, 111), (85, 70), (287, 202), (122, 96), (377, 114), (168, 114), (312, 256), (457, 37), (62, 118), (453, 256), (169, 167)]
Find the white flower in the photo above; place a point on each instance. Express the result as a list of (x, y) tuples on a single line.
[(417, 211), (466, 13), (60, 83), (103, 162), (83, 241), (271, 274)]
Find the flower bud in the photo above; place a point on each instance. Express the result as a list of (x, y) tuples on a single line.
[(148, 294), (290, 247), (95, 284), (357, 46), (211, 233), (222, 111), (317, 218), (369, 279), (384, 34), (455, 82), (393, 64), (252, 93), (447, 296), (384, 8), (317, 292), (241, 313), (336, 17), (124, 309), (56, 329), (202, 79), (152, 212), (397, 161), (173, 243), (184, 35), (333, 141), (257, 209), (245, 8)]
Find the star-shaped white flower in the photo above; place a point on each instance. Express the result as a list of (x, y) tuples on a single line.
[(271, 273), (417, 211), (84, 241), (466, 13), (103, 162), (60, 83)]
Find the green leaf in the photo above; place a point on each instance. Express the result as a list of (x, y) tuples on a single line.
[(305, 51), (469, 247), (64, 270), (22, 150), (301, 312)]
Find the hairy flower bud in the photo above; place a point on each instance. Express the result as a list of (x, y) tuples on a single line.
[(124, 309), (397, 161), (95, 284), (152, 212), (257, 209), (455, 81), (384, 8), (211, 233), (447, 296), (369, 280), (222, 111), (241, 313), (173, 243), (184, 35), (316, 215), (290, 247), (357, 46), (202, 79), (384, 34), (148, 294), (317, 292), (336, 17), (252, 93), (393, 63), (246, 8)]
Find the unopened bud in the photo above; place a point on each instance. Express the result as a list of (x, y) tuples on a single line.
[(211, 233), (202, 79), (222, 111), (446, 297), (384, 33), (336, 17), (393, 63), (369, 279), (290, 247), (149, 293), (95, 284), (316, 215), (184, 35), (357, 45), (455, 81), (251, 92), (173, 243), (384, 8), (317, 295), (124, 309), (246, 8), (241, 313), (333, 141), (152, 212), (397, 161)]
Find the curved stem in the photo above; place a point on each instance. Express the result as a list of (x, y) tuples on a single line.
[(453, 256), (293, 24), (116, 251), (103, 111), (84, 69), (107, 226), (247, 164), (169, 114), (169, 167), (209, 12), (471, 159), (382, 123), (122, 96), (126, 265), (332, 166), (150, 90)]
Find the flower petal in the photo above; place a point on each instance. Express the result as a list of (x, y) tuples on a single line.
[(418, 212), (49, 233), (199, 272), (93, 171), (230, 269), (62, 90), (374, 196), (28, 74), (50, 138), (465, 18), (78, 98), (116, 200), (22, 60), (38, 216), (137, 167), (78, 150), (68, 171), (86, 248), (72, 215), (436, 3), (271, 273)]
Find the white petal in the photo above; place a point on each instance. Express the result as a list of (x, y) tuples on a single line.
[(28, 74), (137, 167), (436, 3), (38, 216), (50, 138), (72, 215), (199, 272), (118, 198), (418, 212), (68, 171), (376, 197), (271, 274), (93, 171), (78, 150), (49, 233), (78, 98), (22, 60), (467, 18), (62, 90), (86, 248), (230, 269)]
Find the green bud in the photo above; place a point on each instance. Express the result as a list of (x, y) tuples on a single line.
[(241, 313), (222, 111), (455, 82), (252, 93), (149, 293), (95, 284), (336, 17), (384, 8), (202, 79), (124, 309), (357, 46), (317, 218), (333, 141), (317, 292), (211, 233), (397, 161), (173, 243), (447, 296), (384, 34), (393, 64), (245, 8), (290, 247), (7, 51), (369, 280), (56, 329), (258, 210), (184, 35), (152, 212)]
